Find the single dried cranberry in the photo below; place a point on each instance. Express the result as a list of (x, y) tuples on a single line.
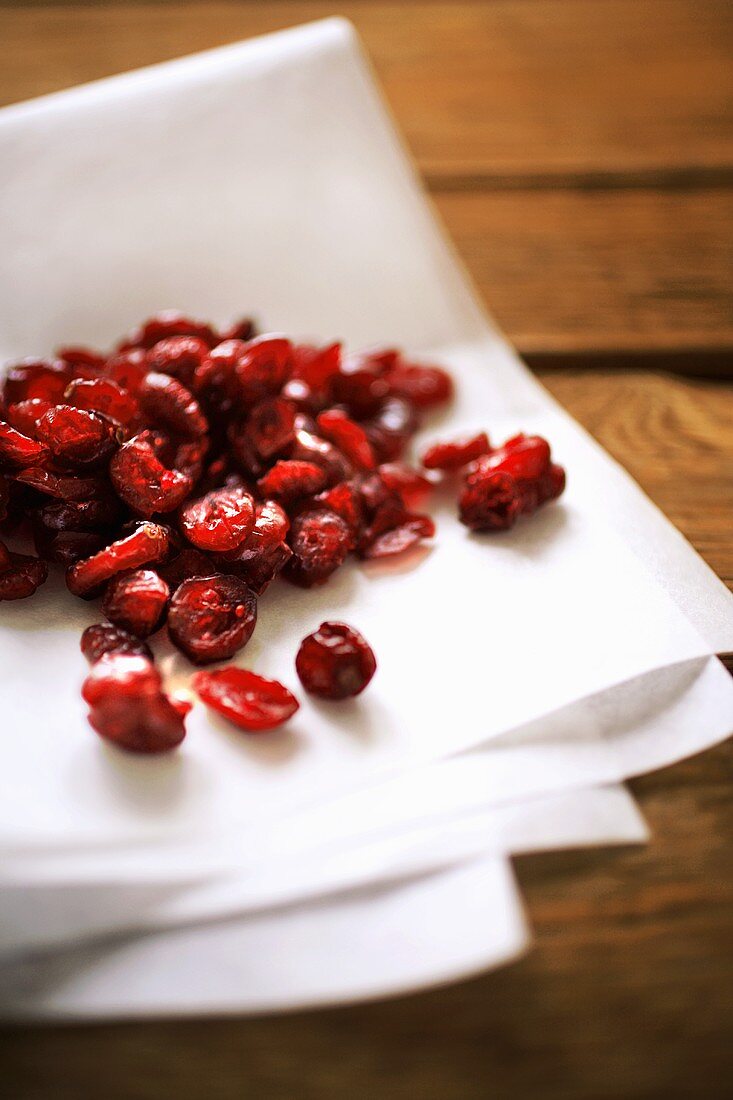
[(244, 329), (348, 436), (525, 457), (489, 501), (451, 456), (335, 662), (271, 426), (421, 385), (189, 458), (289, 480), (179, 356), (346, 501), (309, 447), (167, 323), (83, 362), (103, 638), (105, 396), (136, 601), (149, 543), (128, 368), (551, 484), (360, 387), (211, 618), (263, 368), (143, 482), (216, 375), (75, 436), (246, 699), (264, 552), (219, 521), (19, 450), (167, 401), (398, 539), (408, 483), (316, 366), (44, 378), (25, 415), (320, 541), (189, 563), (22, 576), (128, 706), (390, 430)]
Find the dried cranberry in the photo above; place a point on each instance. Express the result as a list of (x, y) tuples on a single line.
[(169, 323), (25, 415), (75, 436), (320, 541), (168, 403), (390, 430), (149, 543), (219, 521), (143, 482), (345, 500), (66, 547), (361, 388), (246, 699), (103, 638), (335, 662), (422, 386), (264, 552), (179, 356), (489, 501), (263, 368), (551, 484), (316, 366), (271, 426), (244, 329), (289, 480), (19, 450), (105, 396), (80, 515), (211, 618), (348, 436), (525, 457), (189, 563), (309, 447), (128, 368), (136, 601), (128, 705), (43, 378), (398, 539), (451, 456), (22, 576), (83, 362), (217, 373), (408, 483)]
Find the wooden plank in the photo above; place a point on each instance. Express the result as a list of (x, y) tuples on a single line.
[(573, 273), (493, 93)]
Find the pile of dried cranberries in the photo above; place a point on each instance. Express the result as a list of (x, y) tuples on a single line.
[(177, 477)]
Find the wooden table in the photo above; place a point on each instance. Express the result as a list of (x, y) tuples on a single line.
[(582, 156)]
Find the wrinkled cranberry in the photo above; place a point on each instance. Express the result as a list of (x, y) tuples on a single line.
[(189, 563), (103, 638), (289, 480), (219, 521), (75, 436), (128, 706), (525, 457), (169, 322), (43, 378), (345, 500), (246, 699), (211, 618), (22, 576), (147, 544), (19, 450), (128, 368), (263, 368), (360, 387), (316, 367), (398, 539), (136, 601), (25, 415), (320, 541), (179, 356), (143, 482), (105, 396), (408, 483), (390, 430), (348, 436), (422, 386), (309, 447), (168, 403), (335, 661), (264, 552), (83, 362), (217, 373), (489, 501), (271, 426), (451, 456)]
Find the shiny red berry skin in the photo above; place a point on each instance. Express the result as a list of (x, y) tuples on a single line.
[(289, 480), (42, 378), (219, 521), (143, 482), (25, 415), (76, 437), (147, 544), (524, 457), (335, 662), (271, 426), (408, 533), (423, 386), (22, 576), (490, 501), (263, 368), (453, 455), (20, 451), (136, 601), (167, 323), (179, 356), (249, 701), (103, 638), (320, 541), (128, 706), (105, 396), (212, 618), (348, 436)]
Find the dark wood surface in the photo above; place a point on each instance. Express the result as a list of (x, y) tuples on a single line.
[(581, 154)]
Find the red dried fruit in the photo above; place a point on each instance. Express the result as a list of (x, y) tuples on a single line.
[(398, 539), (345, 500), (246, 699), (408, 483), (189, 563), (44, 378), (128, 368), (219, 521), (168, 403), (75, 436), (66, 547), (22, 577), (451, 456), (551, 484), (335, 661), (289, 480), (489, 501), (320, 541), (79, 515), (311, 448), (128, 706), (179, 356), (149, 543), (316, 367), (136, 601), (211, 618), (271, 426), (245, 329), (19, 450), (25, 415), (348, 436), (264, 552), (421, 385), (143, 482), (391, 429), (217, 373), (103, 638), (105, 396), (360, 387), (83, 362), (525, 457), (169, 322), (263, 368)]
